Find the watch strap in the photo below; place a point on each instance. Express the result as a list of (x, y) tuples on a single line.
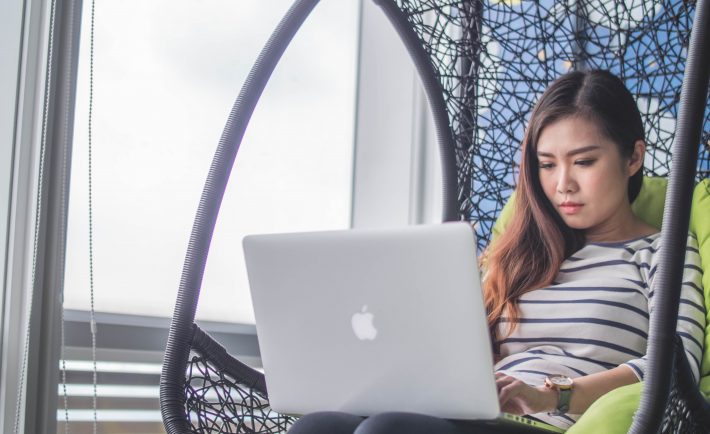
[(564, 396), (563, 385)]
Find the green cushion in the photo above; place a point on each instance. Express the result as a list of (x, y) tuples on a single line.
[(610, 414), (649, 203), (613, 412), (700, 226)]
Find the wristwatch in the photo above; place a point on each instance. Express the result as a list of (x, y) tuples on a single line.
[(563, 385)]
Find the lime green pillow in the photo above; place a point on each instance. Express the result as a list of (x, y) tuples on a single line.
[(700, 226), (649, 203), (610, 414), (613, 412)]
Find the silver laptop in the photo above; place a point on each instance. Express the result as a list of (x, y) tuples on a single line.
[(367, 321)]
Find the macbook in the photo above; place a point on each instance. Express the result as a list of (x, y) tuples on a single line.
[(372, 320)]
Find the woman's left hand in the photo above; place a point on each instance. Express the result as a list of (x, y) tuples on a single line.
[(518, 398)]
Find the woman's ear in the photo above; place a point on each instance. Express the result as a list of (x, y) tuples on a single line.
[(635, 162)]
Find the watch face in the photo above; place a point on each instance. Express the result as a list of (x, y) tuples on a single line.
[(561, 380)]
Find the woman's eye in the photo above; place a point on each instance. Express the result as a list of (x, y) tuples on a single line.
[(546, 165), (588, 162)]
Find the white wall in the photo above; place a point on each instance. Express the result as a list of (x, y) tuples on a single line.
[(396, 174)]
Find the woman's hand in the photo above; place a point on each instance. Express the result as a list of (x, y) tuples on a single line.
[(518, 398)]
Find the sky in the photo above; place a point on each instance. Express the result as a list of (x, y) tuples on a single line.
[(166, 74)]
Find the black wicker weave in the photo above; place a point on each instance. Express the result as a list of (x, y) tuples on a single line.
[(494, 58), (483, 64), (687, 411), (225, 396)]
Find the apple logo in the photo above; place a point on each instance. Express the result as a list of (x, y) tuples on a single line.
[(362, 325)]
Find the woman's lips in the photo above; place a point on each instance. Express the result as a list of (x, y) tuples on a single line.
[(571, 207)]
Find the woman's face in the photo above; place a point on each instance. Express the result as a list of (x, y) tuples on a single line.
[(584, 176)]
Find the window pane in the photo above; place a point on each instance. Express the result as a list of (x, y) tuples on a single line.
[(166, 76)]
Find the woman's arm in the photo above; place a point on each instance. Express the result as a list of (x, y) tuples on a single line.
[(517, 397)]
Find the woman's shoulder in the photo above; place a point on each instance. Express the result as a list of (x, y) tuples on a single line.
[(650, 239), (640, 248), (638, 241), (651, 244), (655, 239)]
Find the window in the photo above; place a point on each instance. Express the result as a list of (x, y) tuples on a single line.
[(165, 77)]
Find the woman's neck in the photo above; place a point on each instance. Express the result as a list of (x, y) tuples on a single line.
[(621, 227)]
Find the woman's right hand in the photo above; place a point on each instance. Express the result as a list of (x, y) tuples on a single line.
[(518, 398)]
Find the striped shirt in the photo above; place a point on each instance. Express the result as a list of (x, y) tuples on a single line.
[(595, 316)]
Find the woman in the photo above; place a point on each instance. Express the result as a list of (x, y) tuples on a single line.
[(568, 284)]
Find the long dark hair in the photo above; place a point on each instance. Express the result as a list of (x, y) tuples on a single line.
[(529, 253)]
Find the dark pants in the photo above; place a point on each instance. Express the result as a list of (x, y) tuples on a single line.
[(384, 423)]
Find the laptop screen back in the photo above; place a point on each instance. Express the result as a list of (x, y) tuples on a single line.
[(366, 321)]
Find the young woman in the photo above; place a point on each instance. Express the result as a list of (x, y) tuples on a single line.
[(568, 285)]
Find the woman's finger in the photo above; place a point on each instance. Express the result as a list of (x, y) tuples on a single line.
[(512, 407), (503, 381), (510, 390)]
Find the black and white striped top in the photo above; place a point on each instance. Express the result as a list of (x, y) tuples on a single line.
[(595, 316)]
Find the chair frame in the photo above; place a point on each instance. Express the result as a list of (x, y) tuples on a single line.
[(186, 337)]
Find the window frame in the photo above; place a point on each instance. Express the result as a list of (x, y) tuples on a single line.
[(39, 115)]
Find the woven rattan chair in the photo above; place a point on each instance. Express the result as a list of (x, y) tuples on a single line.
[(482, 65)]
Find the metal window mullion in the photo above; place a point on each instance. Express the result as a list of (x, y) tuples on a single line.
[(43, 372), (38, 407), (26, 123)]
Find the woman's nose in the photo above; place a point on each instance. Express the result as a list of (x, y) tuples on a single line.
[(565, 182)]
